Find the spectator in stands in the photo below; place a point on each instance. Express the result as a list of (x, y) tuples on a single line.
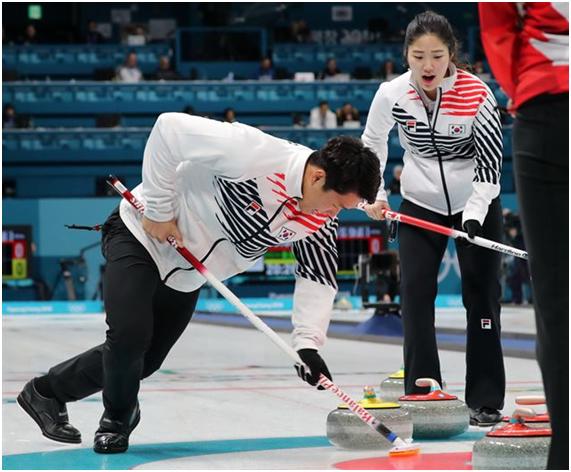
[(394, 186), (93, 36), (165, 70), (9, 116), (229, 115), (300, 32), (266, 69), (129, 72), (12, 120), (30, 35), (297, 121), (348, 116), (480, 71), (330, 71), (322, 117), (388, 71), (134, 35)]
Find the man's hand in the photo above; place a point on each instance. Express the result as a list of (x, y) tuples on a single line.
[(161, 231), (316, 364), (375, 210), (473, 228)]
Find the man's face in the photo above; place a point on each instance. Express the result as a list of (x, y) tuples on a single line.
[(327, 202)]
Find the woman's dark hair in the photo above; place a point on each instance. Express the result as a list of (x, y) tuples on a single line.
[(349, 167), (429, 22)]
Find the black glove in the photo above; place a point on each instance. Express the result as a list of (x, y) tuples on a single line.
[(473, 228), (316, 364)]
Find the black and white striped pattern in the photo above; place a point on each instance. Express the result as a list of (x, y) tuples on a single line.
[(420, 141), (487, 130), (317, 255), (250, 233)]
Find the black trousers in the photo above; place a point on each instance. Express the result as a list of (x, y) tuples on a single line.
[(541, 158), (421, 253), (144, 317)]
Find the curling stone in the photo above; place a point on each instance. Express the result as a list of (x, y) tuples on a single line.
[(392, 388), (436, 414), (513, 446), (537, 420), (346, 430)]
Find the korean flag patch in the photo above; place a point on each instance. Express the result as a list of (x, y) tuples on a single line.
[(285, 234), (456, 130)]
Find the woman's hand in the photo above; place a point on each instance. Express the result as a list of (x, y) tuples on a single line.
[(375, 210)]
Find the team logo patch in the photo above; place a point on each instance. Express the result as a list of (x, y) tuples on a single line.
[(253, 208), (486, 323), (410, 125), (456, 130), (286, 234)]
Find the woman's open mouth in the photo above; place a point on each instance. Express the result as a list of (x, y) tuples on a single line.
[(428, 79)]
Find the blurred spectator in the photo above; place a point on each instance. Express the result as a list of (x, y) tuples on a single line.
[(129, 72), (134, 35), (388, 71), (165, 71), (394, 186), (348, 116), (322, 117), (330, 71), (93, 36), (9, 116), (300, 32), (297, 121), (517, 270), (189, 110), (480, 71), (30, 35), (266, 69), (12, 120), (229, 115)]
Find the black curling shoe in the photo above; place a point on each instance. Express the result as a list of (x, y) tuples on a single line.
[(49, 414), (112, 437), (484, 416)]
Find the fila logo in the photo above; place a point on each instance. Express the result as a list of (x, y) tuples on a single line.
[(486, 323), (410, 125), (456, 130), (285, 234), (253, 208)]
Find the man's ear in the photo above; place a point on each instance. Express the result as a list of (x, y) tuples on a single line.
[(318, 174)]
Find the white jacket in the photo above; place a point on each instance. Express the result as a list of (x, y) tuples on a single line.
[(234, 191), (452, 163)]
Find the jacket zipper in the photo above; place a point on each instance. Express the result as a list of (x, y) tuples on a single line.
[(431, 127)]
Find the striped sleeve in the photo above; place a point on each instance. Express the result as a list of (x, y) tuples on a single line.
[(315, 286), (316, 255), (487, 131)]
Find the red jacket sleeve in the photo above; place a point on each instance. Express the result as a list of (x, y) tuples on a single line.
[(499, 30)]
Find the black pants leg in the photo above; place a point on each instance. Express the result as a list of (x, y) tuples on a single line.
[(481, 294), (145, 318), (541, 158), (420, 254)]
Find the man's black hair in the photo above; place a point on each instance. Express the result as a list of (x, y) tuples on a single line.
[(349, 167)]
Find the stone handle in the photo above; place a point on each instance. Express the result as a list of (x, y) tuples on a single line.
[(530, 400), (426, 382), (520, 413)]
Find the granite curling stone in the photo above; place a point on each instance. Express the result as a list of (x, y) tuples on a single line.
[(537, 420), (436, 414), (347, 431), (514, 446), (392, 388)]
